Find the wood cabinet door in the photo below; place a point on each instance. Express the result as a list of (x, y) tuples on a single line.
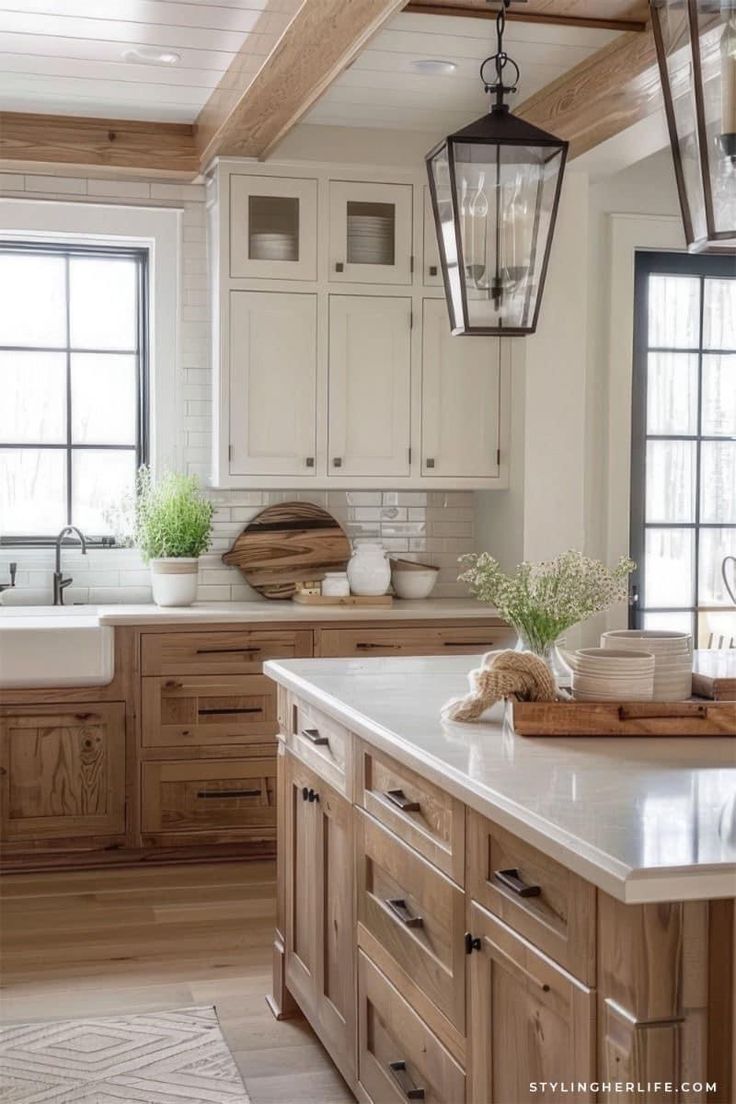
[(63, 771), (529, 1022), (209, 711), (273, 376), (369, 385), (370, 232), (461, 400), (301, 877), (273, 227)]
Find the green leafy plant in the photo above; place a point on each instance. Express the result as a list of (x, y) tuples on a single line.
[(542, 600), (173, 519)]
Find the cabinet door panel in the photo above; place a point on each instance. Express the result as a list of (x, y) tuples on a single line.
[(370, 384), (370, 232), (63, 771), (273, 374), (432, 276), (301, 871), (531, 1022), (220, 798), (460, 399), (273, 227)]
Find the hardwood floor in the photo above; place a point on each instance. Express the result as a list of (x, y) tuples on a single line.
[(92, 943)]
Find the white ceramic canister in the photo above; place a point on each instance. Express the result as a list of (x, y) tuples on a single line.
[(335, 585), (174, 581), (369, 572)]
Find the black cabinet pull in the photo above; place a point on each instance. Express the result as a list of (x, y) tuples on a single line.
[(479, 644), (226, 651), (312, 795), (365, 646), (400, 909), (312, 734), (513, 881), (472, 943), (399, 798), (230, 712), (404, 1081), (305, 793), (228, 793), (433, 270), (339, 267)]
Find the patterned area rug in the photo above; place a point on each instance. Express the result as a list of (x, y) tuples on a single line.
[(177, 1057)]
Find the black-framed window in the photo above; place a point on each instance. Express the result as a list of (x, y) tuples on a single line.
[(683, 486), (73, 385)]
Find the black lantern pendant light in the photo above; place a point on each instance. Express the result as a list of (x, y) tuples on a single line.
[(495, 187), (696, 48)]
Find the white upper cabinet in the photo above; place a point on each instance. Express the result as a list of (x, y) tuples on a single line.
[(273, 228), (369, 385), (370, 233), (461, 393), (431, 270), (272, 392)]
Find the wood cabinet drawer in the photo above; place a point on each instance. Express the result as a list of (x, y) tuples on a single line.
[(415, 913), (398, 1055), (209, 795), (208, 710), (321, 743), (558, 915), (235, 652), (463, 640), (426, 817)]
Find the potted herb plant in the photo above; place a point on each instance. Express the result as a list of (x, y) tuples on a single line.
[(173, 526), (542, 600)]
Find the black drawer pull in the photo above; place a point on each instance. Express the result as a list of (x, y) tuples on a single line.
[(312, 734), (226, 651), (312, 795), (433, 270), (229, 793), (479, 644), (364, 646), (400, 908), (404, 1081), (399, 798), (513, 881), (230, 712)]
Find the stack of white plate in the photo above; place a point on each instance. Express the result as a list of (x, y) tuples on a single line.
[(370, 239), (673, 658), (606, 674), (273, 246)]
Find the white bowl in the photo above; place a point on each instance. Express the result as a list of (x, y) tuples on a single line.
[(413, 584)]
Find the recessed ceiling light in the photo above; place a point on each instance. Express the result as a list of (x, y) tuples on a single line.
[(151, 55), (433, 66)]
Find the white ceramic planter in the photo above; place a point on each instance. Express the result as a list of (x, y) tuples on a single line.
[(369, 572), (174, 581)]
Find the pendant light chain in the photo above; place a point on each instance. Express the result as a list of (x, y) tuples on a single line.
[(501, 60)]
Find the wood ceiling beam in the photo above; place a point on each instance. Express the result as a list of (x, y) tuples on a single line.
[(246, 116), (111, 146), (611, 90), (522, 15)]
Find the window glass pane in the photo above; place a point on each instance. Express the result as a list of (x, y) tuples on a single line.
[(33, 299), (672, 393), (718, 481), (674, 312), (715, 545), (670, 491), (33, 398), (668, 568), (717, 630), (102, 303), (671, 622), (719, 314), (32, 491), (719, 395), (100, 479), (103, 399)]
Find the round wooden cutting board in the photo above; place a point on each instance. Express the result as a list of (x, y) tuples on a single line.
[(288, 543)]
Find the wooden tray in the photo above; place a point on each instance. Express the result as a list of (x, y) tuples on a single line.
[(348, 600), (696, 717), (714, 674)]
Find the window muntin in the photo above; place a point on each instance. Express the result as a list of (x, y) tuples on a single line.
[(683, 513), (73, 385)]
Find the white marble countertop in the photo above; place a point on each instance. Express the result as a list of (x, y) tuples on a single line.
[(645, 819), (266, 610)]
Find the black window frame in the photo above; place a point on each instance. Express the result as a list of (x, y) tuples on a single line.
[(68, 250), (701, 266)]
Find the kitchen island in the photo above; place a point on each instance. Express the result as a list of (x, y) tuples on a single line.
[(470, 914)]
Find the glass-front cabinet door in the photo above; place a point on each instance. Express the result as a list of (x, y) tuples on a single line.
[(273, 228), (370, 232)]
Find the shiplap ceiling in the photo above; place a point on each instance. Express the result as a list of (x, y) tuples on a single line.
[(65, 57), (383, 89)]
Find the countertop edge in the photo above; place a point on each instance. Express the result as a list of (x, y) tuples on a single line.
[(624, 883)]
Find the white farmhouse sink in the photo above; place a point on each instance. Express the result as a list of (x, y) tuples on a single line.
[(54, 646)]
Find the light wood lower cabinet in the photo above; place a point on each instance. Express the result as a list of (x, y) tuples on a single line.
[(206, 710)]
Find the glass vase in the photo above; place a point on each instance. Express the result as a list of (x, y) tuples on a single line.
[(549, 651)]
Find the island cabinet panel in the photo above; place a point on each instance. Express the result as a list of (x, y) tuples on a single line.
[(538, 897), (422, 814), (530, 1021), (399, 1058), (191, 710), (426, 640), (220, 652), (322, 743), (320, 919), (62, 772), (415, 914)]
